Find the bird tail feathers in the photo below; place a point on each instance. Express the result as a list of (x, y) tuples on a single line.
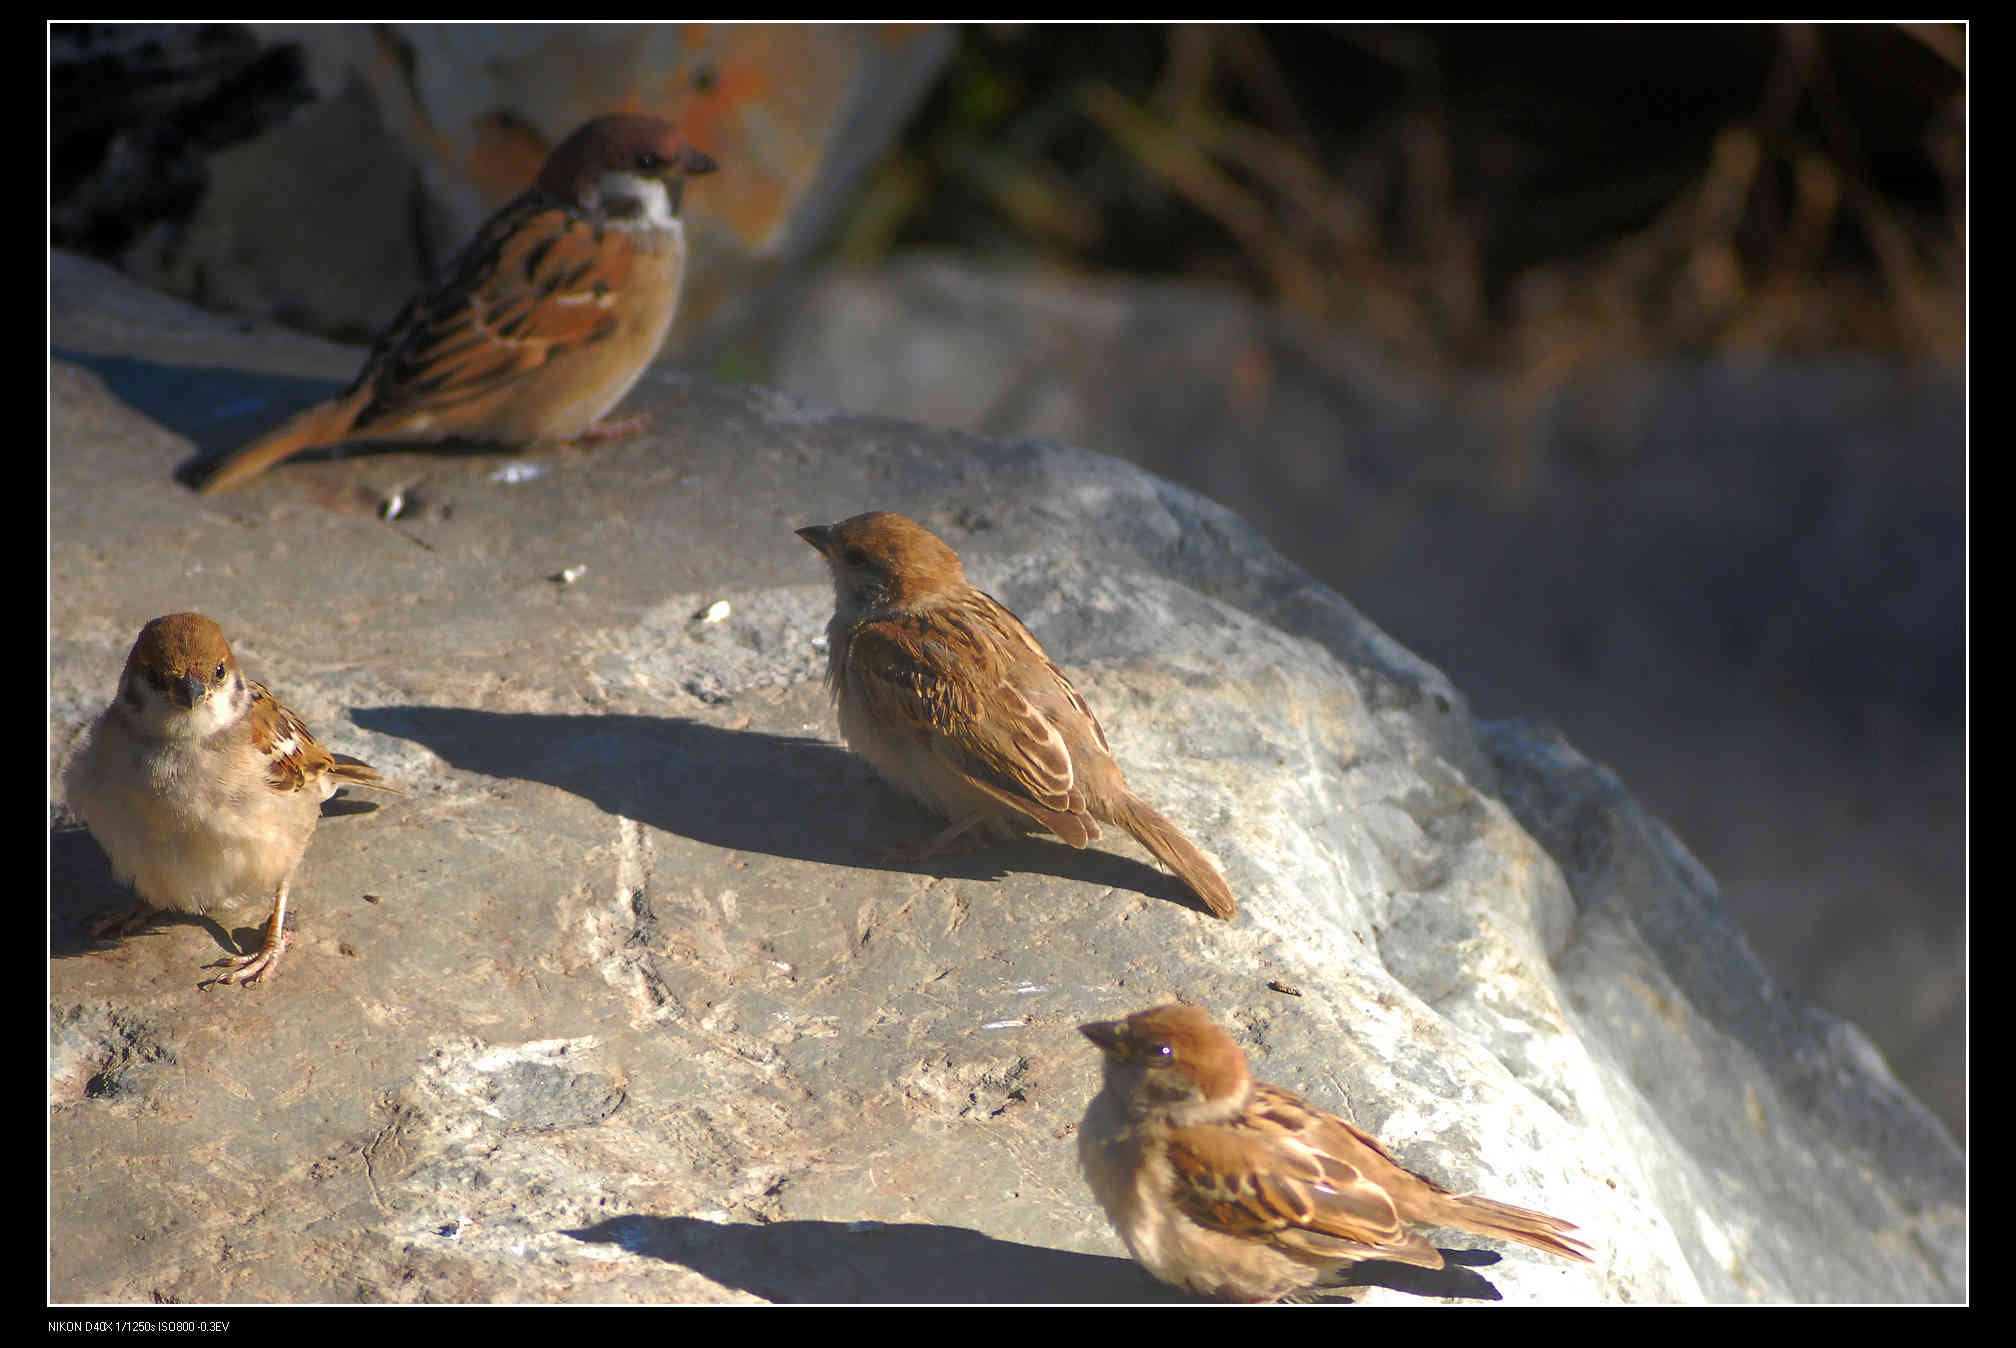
[(1176, 852), (327, 423), (1489, 1217), (352, 772)]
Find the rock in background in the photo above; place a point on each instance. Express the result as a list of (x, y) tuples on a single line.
[(1738, 582), (332, 167), (620, 1005)]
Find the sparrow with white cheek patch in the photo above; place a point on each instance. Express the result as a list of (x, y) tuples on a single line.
[(202, 789), (1229, 1187), (952, 700), (542, 323)]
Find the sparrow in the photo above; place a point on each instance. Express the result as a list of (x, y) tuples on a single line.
[(953, 702), (1232, 1188), (540, 325), (201, 787)]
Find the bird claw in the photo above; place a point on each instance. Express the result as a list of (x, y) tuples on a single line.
[(251, 968), (618, 428), (105, 926), (960, 837)]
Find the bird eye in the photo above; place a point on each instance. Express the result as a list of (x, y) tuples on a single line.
[(1164, 1051), (855, 557), (648, 161), (220, 670)]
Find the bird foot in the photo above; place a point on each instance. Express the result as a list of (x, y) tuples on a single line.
[(620, 428), (252, 968), (105, 926), (960, 837)]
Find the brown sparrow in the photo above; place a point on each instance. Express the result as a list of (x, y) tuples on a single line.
[(203, 789), (1229, 1187), (542, 323), (952, 700)]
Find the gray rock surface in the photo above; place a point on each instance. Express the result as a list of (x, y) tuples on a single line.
[(621, 1005), (1740, 582)]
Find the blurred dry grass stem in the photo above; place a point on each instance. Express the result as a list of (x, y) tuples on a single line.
[(1773, 242), (1464, 240), (1692, 279), (1732, 263)]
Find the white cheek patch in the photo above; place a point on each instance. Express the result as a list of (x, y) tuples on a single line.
[(632, 202)]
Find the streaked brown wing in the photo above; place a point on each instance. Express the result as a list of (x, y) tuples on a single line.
[(929, 675), (1055, 685), (1290, 1173), (294, 757), (537, 280), (1223, 1183)]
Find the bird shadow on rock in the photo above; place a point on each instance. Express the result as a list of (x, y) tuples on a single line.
[(879, 1262), (921, 1263), (217, 408), (1455, 1280), (82, 889), (747, 790)]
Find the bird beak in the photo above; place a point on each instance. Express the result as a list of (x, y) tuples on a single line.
[(1109, 1035), (186, 691), (688, 163), (820, 536)]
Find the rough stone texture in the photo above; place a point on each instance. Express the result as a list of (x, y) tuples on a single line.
[(620, 1005), (1740, 583), (331, 219)]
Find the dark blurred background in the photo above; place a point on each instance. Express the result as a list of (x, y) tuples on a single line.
[(1616, 369), (1468, 195)]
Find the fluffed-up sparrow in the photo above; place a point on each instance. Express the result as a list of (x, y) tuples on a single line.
[(201, 787), (949, 697), (1229, 1187), (541, 324)]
